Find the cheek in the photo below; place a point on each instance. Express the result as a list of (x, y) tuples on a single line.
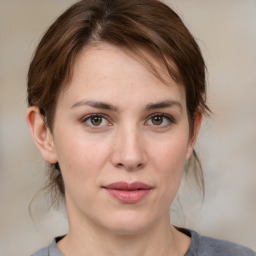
[(80, 165), (75, 147), (173, 152), (170, 160), (76, 156), (82, 160)]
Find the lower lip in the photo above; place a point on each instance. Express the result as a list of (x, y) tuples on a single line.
[(128, 196)]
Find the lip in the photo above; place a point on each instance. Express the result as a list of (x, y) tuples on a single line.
[(128, 192)]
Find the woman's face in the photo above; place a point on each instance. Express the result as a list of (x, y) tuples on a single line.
[(121, 138)]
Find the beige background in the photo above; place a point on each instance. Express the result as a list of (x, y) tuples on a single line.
[(226, 32)]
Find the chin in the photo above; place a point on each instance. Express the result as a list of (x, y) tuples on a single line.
[(128, 223)]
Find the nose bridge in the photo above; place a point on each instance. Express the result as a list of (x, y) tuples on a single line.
[(129, 151)]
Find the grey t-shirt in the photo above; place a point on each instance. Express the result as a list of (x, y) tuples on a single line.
[(200, 246)]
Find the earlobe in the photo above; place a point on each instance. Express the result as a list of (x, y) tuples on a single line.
[(41, 134), (192, 140)]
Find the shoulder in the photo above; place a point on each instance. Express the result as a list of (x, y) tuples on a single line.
[(41, 252), (206, 246), (51, 250)]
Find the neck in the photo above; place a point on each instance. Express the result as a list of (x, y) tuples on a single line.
[(88, 239)]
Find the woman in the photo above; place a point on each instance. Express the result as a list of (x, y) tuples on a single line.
[(116, 91)]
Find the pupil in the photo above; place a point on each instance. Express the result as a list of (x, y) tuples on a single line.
[(96, 120), (157, 120)]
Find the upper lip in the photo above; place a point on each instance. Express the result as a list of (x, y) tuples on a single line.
[(121, 185)]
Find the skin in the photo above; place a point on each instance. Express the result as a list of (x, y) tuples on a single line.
[(125, 145)]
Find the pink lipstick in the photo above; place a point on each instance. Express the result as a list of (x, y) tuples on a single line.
[(128, 192)]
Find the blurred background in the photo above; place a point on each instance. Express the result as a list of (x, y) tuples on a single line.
[(226, 33)]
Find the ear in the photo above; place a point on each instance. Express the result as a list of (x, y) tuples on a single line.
[(192, 140), (41, 134)]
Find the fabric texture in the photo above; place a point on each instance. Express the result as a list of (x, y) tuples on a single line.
[(200, 246)]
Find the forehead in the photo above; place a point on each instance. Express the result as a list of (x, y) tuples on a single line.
[(113, 70), (162, 67)]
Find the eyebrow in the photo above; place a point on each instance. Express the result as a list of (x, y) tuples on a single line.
[(95, 104), (163, 104), (148, 107)]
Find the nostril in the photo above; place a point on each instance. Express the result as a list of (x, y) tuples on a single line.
[(119, 165), (135, 167), (130, 167), (140, 165)]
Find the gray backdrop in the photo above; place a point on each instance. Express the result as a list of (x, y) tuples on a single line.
[(226, 32)]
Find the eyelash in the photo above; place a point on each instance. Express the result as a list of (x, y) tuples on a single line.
[(90, 116), (169, 118), (85, 120)]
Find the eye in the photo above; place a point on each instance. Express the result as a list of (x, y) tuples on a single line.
[(95, 121), (161, 120), (157, 120)]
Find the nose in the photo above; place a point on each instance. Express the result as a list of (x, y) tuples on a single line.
[(129, 150)]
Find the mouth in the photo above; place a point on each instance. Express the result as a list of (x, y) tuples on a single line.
[(128, 192)]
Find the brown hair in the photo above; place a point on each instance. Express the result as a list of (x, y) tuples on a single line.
[(132, 25)]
